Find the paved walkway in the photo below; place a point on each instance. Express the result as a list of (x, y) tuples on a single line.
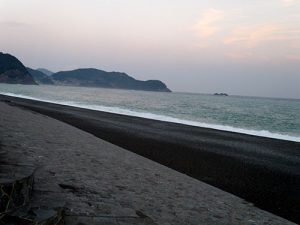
[(100, 183)]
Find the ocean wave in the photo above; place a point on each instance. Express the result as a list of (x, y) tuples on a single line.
[(148, 115)]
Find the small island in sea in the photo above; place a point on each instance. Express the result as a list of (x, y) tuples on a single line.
[(221, 94)]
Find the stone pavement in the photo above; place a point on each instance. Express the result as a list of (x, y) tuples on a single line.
[(96, 182)]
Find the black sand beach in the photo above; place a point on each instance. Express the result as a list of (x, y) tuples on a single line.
[(263, 171)]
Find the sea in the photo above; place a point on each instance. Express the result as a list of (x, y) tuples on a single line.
[(267, 117)]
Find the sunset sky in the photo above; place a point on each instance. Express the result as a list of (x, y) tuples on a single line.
[(249, 47)]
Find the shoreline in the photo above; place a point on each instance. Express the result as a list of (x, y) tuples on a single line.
[(261, 170), (170, 119)]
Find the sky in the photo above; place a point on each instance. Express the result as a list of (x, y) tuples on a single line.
[(249, 47)]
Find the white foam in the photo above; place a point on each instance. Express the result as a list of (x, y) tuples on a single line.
[(117, 110)]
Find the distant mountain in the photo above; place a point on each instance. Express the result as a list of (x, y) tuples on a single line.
[(45, 71), (99, 78), (40, 77), (12, 71)]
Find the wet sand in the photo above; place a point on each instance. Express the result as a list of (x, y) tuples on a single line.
[(263, 171)]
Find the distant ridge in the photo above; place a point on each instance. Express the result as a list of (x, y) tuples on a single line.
[(45, 71), (12, 71), (40, 77), (90, 77)]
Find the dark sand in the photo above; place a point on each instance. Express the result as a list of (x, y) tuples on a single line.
[(261, 170)]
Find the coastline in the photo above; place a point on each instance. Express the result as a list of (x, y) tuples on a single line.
[(166, 118), (261, 170)]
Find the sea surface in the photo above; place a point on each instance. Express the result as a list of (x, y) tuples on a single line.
[(267, 117)]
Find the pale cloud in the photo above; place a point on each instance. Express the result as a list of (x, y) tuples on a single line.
[(267, 42), (293, 57), (202, 44), (288, 3), (207, 25), (13, 24), (240, 55), (295, 44), (253, 36), (225, 33)]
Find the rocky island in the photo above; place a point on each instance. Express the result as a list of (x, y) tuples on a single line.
[(221, 94)]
